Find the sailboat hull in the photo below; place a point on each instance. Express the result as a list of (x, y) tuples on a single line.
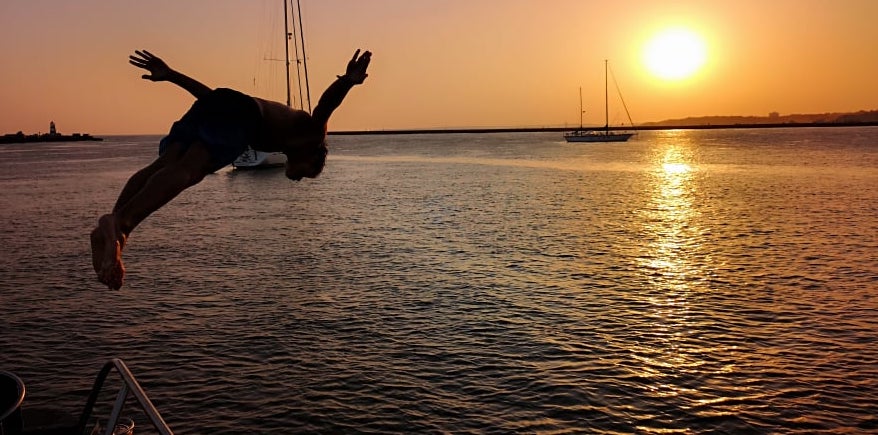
[(252, 159), (596, 136)]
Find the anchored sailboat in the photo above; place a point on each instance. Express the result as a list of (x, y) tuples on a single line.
[(251, 159), (598, 135)]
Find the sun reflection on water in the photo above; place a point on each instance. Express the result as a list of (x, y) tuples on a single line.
[(671, 214), (672, 265)]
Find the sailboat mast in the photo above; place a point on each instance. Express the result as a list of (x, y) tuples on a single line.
[(304, 57), (287, 51), (606, 101), (580, 108), (298, 61)]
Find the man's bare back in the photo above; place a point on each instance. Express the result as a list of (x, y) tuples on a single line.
[(284, 128)]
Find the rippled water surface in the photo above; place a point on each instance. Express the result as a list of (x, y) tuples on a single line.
[(683, 282)]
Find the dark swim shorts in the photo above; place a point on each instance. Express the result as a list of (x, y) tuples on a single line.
[(225, 120)]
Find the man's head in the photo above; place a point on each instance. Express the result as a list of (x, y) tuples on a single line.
[(306, 162)]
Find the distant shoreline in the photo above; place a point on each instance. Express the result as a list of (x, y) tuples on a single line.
[(35, 138), (637, 128), (46, 137)]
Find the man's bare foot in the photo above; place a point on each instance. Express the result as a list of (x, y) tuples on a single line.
[(107, 241), (117, 273)]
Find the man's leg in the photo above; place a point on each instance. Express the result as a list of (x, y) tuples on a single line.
[(138, 180), (164, 185), (103, 236), (135, 205)]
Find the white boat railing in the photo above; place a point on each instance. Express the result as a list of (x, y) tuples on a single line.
[(129, 386)]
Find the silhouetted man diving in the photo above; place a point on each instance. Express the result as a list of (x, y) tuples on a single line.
[(212, 134)]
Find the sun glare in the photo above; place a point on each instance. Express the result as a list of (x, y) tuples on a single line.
[(674, 54)]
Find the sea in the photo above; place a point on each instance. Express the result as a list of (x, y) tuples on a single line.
[(684, 282)]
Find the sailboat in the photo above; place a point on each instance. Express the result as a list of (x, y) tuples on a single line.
[(598, 135), (251, 158)]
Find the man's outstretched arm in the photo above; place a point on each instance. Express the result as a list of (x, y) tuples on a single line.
[(335, 93), (160, 71)]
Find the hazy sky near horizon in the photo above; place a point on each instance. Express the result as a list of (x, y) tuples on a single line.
[(436, 63)]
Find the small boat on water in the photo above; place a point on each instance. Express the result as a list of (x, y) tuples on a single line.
[(254, 159), (599, 135)]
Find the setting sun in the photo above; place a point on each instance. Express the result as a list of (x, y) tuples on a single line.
[(674, 54)]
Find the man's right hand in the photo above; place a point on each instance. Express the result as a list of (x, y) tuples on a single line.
[(356, 70), (159, 70)]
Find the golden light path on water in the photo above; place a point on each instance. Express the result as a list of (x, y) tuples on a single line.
[(676, 262)]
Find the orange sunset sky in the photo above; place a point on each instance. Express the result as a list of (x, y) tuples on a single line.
[(437, 63)]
